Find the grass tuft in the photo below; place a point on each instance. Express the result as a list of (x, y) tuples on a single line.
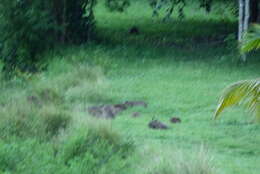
[(198, 161)]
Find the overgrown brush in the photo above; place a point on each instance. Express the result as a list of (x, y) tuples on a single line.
[(84, 150), (24, 120), (41, 132)]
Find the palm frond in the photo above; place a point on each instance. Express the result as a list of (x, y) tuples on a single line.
[(252, 39), (244, 92)]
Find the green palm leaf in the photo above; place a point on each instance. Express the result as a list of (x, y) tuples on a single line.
[(252, 39), (244, 92)]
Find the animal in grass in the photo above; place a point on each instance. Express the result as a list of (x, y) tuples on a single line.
[(106, 111), (134, 30), (175, 120), (135, 103), (110, 111), (156, 124)]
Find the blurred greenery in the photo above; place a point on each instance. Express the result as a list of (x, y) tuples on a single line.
[(178, 67)]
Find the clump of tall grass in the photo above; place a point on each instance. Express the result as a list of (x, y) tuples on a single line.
[(24, 120), (74, 84), (197, 162), (94, 151), (200, 162), (81, 148)]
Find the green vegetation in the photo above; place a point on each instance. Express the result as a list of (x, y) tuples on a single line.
[(28, 28), (245, 91), (178, 67), (252, 39)]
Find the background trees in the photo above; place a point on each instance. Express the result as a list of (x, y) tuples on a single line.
[(255, 13), (29, 27)]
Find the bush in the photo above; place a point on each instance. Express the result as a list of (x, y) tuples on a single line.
[(28, 28)]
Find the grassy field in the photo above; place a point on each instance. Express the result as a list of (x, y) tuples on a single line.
[(179, 68)]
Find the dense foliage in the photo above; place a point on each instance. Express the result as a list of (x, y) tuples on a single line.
[(252, 39), (30, 27)]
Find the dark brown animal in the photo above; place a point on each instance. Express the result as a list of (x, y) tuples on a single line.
[(120, 107), (155, 124), (134, 31), (106, 111), (110, 111), (175, 120), (135, 103)]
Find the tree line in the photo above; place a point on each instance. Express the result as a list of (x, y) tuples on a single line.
[(30, 27)]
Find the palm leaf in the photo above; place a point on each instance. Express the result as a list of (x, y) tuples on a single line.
[(252, 39), (244, 92)]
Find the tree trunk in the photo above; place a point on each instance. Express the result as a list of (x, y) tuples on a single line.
[(244, 16), (241, 20), (64, 22), (247, 15), (246, 23)]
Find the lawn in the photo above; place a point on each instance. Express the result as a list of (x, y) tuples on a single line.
[(178, 67), (181, 80)]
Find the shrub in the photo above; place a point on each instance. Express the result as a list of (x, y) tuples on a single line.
[(28, 28)]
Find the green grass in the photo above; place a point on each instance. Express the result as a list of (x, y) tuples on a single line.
[(179, 68)]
